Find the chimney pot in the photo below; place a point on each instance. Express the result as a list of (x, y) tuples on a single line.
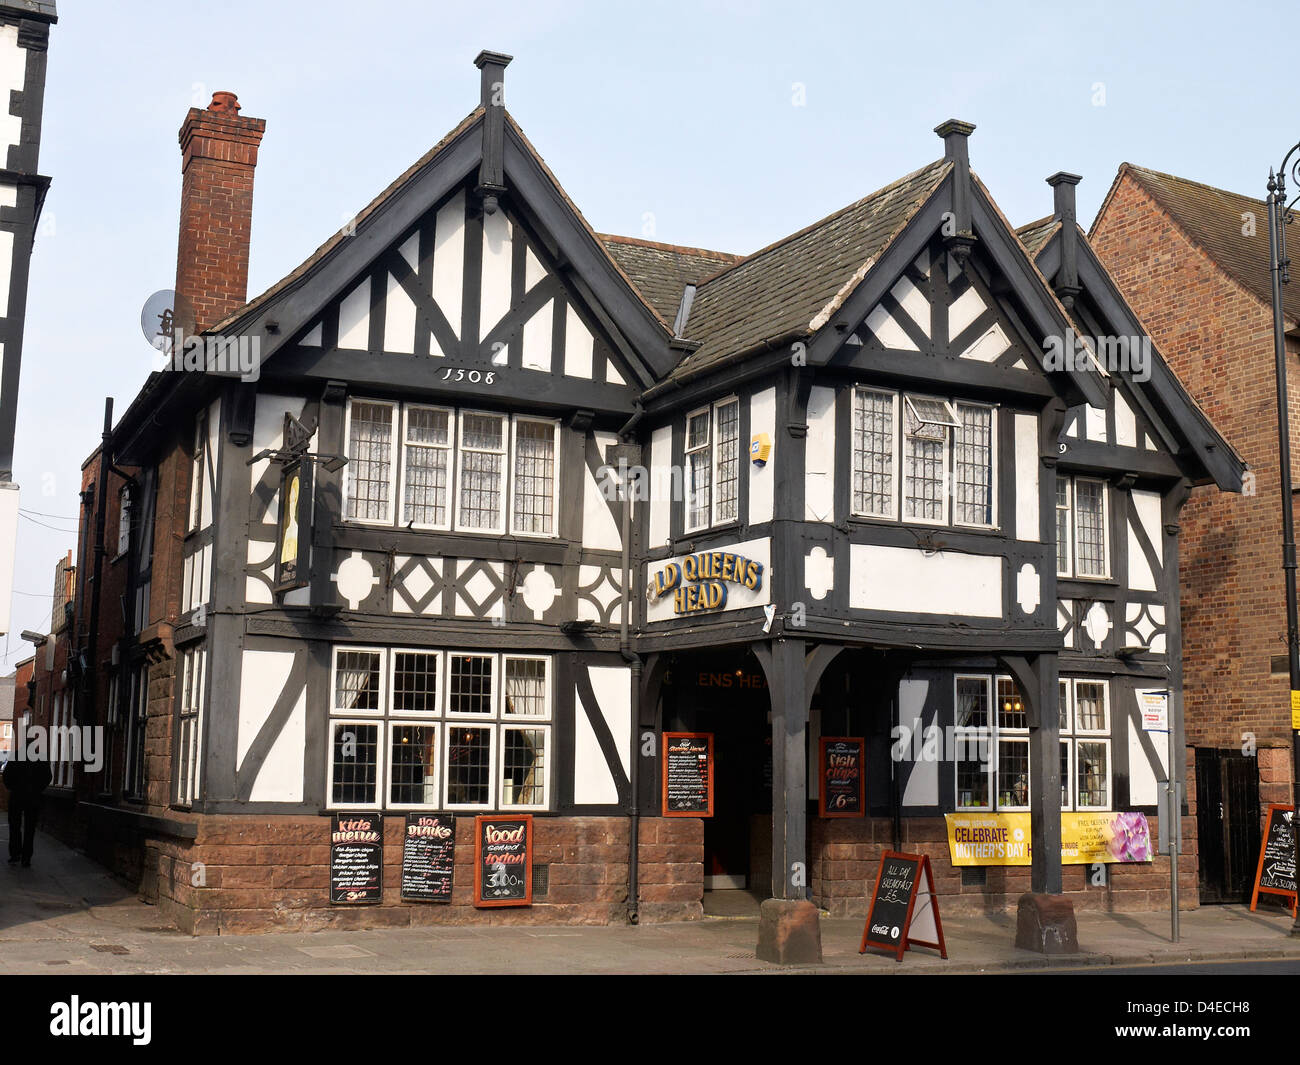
[(223, 102)]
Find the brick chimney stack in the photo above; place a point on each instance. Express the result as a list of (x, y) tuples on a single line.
[(219, 154)]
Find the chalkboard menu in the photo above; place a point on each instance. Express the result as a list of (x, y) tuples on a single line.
[(904, 907), (356, 858), (503, 861), (428, 857), (842, 778), (688, 774), (1276, 871)]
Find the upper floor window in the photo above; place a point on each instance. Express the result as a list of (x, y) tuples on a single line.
[(1082, 519), (197, 463), (123, 520), (713, 465), (923, 459), (432, 467)]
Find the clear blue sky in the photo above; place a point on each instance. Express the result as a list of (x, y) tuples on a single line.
[(683, 113)]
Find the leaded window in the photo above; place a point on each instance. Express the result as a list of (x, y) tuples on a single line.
[(370, 461), (875, 415), (427, 468)]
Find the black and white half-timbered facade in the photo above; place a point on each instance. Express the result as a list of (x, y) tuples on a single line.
[(507, 502)]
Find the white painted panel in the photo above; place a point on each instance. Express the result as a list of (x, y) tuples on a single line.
[(1028, 525), (599, 530), (313, 337), (211, 463), (261, 679), (888, 331), (13, 74), (8, 195), (963, 311), (534, 271), (495, 300), (819, 464), (923, 785), (1143, 783), (410, 251), (1145, 510), (7, 258), (1125, 422), (399, 319), (538, 332), (738, 596), (661, 485), (268, 434), (913, 302), (577, 346), (612, 686), (907, 579), (449, 263), (762, 419), (592, 781), (612, 376), (354, 318), (281, 775), (989, 346), (1095, 423)]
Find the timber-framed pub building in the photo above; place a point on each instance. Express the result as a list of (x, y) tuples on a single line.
[(508, 507)]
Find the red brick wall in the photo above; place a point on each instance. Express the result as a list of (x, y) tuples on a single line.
[(1218, 340), (845, 855), (262, 873)]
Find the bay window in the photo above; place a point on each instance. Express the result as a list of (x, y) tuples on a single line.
[(422, 729), (446, 469), (923, 459)]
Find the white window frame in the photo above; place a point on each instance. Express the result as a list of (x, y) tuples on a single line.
[(490, 724), (945, 464), (523, 723), (555, 475), (1068, 510), (123, 520), (715, 442), (440, 694), (414, 721), (395, 458), (382, 700), (894, 455), (689, 469), (505, 455), (194, 664), (1105, 529), (449, 447), (1015, 735), (1072, 735), (494, 710), (381, 760), (992, 408), (989, 731), (198, 474)]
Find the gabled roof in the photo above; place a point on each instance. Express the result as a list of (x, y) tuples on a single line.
[(1213, 220), (661, 271), (1035, 234), (774, 294)]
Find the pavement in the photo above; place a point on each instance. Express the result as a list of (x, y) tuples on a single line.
[(67, 915)]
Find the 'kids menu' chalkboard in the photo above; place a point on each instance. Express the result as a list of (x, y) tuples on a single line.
[(688, 774), (841, 778), (356, 858), (503, 861), (428, 857), (1276, 871), (903, 907)]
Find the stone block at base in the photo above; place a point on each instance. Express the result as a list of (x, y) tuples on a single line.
[(1045, 924), (789, 932)]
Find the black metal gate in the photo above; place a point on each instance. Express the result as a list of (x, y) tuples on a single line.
[(1227, 823)]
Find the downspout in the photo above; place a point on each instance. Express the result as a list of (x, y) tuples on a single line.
[(634, 662), (101, 490)]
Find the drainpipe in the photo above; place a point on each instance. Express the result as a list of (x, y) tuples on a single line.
[(634, 661)]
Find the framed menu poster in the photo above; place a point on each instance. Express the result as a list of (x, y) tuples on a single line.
[(503, 860), (842, 791), (688, 774), (356, 859)]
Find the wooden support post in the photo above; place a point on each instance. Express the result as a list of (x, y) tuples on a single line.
[(1045, 777), (789, 771)]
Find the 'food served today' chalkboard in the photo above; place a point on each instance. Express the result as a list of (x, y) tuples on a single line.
[(428, 857), (503, 860), (903, 907), (842, 778), (356, 858), (1275, 874), (688, 774)]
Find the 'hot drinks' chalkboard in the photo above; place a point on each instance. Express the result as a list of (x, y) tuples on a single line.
[(503, 861), (1276, 872), (903, 907), (356, 858), (688, 774), (428, 857), (841, 778)]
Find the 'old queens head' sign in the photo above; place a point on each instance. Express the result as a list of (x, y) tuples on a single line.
[(699, 582)]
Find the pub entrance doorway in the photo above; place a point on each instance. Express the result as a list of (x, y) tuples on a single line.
[(724, 692)]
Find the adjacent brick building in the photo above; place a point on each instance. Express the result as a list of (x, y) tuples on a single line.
[(1193, 261)]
